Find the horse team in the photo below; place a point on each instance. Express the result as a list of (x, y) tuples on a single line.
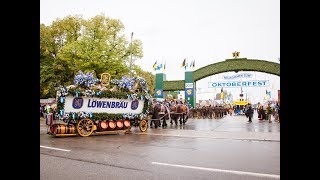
[(209, 112), (164, 112), (181, 112)]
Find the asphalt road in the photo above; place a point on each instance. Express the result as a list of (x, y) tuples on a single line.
[(228, 148)]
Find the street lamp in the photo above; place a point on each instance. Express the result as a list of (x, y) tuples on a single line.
[(131, 56)]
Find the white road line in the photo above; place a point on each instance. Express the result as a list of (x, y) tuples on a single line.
[(176, 135), (55, 148), (208, 136), (222, 170)]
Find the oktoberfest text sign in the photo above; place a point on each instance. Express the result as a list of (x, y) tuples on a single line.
[(235, 84), (102, 105)]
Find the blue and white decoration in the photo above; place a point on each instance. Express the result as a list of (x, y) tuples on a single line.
[(61, 112), (91, 102), (61, 99), (85, 80)]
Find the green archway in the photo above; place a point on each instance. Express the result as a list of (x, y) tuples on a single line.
[(242, 64), (238, 64)]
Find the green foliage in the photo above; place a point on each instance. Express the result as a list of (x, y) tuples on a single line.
[(146, 107), (242, 64), (73, 43), (148, 76), (53, 70), (100, 117), (173, 85), (106, 116)]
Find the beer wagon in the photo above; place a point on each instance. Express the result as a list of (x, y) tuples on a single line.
[(93, 106)]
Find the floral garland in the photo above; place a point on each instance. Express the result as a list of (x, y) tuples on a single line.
[(84, 87), (85, 80)]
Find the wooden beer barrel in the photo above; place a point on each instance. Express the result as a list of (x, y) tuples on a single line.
[(112, 125), (60, 129), (103, 125), (126, 123), (119, 124), (53, 129), (70, 129)]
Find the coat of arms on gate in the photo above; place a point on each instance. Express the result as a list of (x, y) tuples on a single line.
[(105, 79)]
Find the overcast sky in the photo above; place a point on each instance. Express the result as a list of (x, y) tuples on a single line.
[(207, 31)]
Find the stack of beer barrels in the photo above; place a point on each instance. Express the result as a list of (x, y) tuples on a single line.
[(110, 125)]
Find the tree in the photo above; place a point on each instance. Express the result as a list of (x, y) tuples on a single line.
[(52, 38), (101, 48), (72, 44), (148, 76)]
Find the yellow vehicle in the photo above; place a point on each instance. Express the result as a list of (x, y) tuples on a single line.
[(240, 103)]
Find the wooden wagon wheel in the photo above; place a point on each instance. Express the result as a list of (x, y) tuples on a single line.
[(143, 125), (85, 127)]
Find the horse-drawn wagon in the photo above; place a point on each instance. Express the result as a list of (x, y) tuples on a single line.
[(93, 106)]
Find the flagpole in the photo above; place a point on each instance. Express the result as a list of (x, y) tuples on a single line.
[(131, 55)]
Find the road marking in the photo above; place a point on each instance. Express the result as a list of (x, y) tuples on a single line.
[(210, 137), (55, 148), (221, 170)]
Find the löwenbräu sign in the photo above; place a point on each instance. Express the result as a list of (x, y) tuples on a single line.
[(103, 105)]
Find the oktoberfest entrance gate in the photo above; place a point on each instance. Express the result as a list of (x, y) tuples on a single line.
[(188, 84)]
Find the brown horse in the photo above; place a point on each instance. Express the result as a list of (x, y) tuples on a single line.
[(181, 112), (158, 112)]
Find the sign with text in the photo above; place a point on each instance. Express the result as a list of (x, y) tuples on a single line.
[(235, 84), (103, 105), (188, 85), (242, 75)]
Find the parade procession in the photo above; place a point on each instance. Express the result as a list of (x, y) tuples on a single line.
[(104, 106), (159, 90), (111, 106)]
